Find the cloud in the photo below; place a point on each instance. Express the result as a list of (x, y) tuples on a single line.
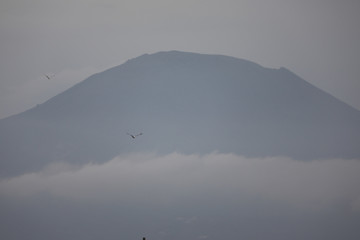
[(177, 196), (213, 178)]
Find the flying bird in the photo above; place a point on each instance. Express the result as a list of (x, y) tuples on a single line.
[(48, 76), (134, 136)]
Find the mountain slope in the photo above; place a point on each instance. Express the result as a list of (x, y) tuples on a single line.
[(185, 102)]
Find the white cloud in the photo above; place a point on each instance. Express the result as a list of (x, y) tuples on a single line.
[(186, 197), (215, 178)]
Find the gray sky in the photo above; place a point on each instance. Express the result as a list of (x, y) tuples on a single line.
[(316, 39), (177, 196)]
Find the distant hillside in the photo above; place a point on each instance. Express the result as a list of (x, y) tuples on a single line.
[(184, 102)]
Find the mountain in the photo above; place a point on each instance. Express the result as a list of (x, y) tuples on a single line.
[(184, 102)]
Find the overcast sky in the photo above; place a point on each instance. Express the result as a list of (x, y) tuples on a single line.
[(178, 196), (316, 39)]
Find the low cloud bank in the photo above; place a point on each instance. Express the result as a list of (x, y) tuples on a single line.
[(216, 178), (176, 196)]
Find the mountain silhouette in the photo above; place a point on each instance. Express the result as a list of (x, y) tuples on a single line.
[(184, 102)]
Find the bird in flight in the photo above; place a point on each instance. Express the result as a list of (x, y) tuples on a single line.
[(134, 136), (48, 76)]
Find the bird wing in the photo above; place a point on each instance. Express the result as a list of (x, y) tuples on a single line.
[(130, 135)]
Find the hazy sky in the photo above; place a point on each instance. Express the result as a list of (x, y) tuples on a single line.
[(316, 39), (178, 196)]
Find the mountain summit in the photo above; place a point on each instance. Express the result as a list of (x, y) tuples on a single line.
[(184, 102)]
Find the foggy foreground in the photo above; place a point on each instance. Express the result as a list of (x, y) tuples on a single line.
[(178, 196)]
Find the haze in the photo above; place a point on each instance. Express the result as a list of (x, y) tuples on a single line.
[(72, 175), (176, 196), (316, 39)]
